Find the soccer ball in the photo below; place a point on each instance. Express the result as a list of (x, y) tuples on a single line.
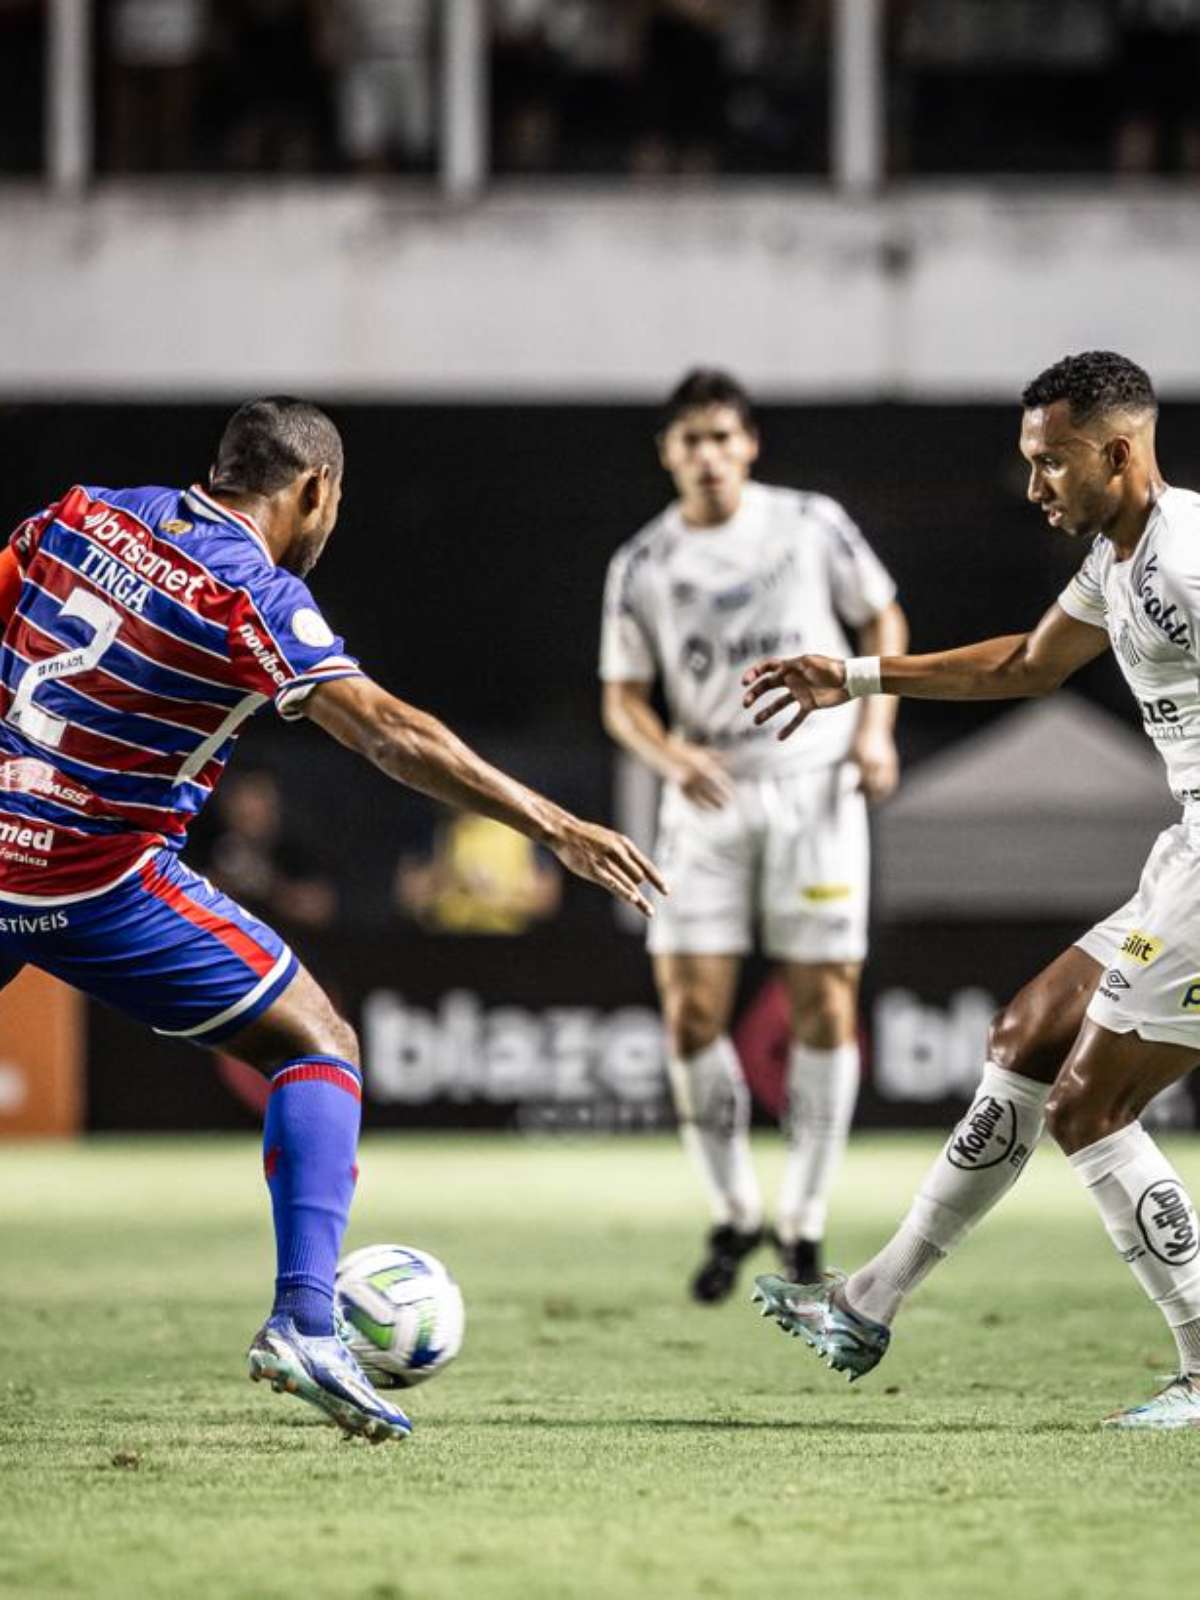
[(404, 1312)]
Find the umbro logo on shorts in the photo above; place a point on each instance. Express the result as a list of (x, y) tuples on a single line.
[(1116, 980)]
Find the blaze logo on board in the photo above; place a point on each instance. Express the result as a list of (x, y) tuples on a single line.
[(1167, 1220), (986, 1136)]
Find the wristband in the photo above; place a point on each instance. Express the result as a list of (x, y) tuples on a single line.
[(863, 676)]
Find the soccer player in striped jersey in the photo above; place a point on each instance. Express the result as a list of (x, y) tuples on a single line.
[(141, 628)]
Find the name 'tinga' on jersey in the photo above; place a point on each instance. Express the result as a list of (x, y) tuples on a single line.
[(151, 623)]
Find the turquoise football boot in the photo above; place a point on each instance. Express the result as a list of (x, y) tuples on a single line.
[(1176, 1406), (818, 1314), (323, 1371)]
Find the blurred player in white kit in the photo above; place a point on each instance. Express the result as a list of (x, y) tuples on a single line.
[(751, 830)]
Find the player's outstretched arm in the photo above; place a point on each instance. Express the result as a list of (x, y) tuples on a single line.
[(416, 749), (1016, 666)]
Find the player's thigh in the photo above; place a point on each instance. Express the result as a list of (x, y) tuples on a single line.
[(168, 949), (823, 996), (1108, 1080), (303, 1021), (816, 869), (711, 860), (1033, 1033), (697, 994)]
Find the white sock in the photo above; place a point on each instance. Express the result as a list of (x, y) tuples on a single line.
[(713, 1105), (822, 1092), (1152, 1222), (979, 1163)]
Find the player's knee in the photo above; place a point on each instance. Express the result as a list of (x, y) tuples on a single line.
[(1014, 1040), (1074, 1123), (692, 1022), (343, 1039), (825, 1009)]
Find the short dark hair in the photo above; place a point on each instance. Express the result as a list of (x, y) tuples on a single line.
[(708, 386), (266, 443), (1096, 383)]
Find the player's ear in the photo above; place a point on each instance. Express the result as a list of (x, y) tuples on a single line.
[(1119, 452)]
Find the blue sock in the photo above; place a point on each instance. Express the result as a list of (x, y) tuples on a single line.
[(310, 1137)]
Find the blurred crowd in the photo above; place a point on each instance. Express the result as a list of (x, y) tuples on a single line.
[(645, 87)]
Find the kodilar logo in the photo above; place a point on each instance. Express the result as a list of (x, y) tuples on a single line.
[(986, 1135), (1167, 1220)]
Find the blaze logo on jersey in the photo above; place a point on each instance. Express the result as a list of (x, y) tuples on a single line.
[(1143, 948)]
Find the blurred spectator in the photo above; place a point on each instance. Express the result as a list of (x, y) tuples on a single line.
[(526, 83), (255, 858), (385, 101), (684, 87), (1158, 86), (481, 878), (275, 83), (156, 48), (22, 45)]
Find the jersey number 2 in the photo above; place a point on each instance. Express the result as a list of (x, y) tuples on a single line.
[(43, 727)]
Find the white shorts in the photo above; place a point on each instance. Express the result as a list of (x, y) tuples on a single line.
[(1150, 948), (793, 851)]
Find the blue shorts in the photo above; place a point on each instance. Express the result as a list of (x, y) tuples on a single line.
[(163, 946)]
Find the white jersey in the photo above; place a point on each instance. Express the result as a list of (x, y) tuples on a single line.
[(1150, 607), (698, 605)]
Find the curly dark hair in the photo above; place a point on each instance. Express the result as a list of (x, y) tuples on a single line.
[(267, 442), (1093, 384), (707, 386)]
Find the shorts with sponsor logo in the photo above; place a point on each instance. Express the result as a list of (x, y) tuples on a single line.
[(791, 854), (163, 946), (1150, 948)]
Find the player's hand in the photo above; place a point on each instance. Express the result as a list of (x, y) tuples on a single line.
[(874, 752), (809, 683), (700, 775), (610, 860)]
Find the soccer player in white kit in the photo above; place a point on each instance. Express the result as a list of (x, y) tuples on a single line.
[(748, 829), (1113, 1021)]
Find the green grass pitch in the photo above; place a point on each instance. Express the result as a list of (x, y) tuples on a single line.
[(599, 1436)]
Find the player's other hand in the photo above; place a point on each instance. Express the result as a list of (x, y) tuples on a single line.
[(808, 683), (608, 859), (701, 776), (874, 751)]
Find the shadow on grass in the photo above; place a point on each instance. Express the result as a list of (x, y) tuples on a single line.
[(857, 1430)]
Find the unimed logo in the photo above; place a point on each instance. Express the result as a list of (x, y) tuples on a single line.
[(1167, 1221)]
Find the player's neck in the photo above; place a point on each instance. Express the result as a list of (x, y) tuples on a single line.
[(266, 516), (700, 512), (1131, 521)]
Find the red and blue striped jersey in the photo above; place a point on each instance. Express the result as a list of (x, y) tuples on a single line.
[(150, 624)]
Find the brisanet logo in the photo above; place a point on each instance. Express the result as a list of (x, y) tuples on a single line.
[(1167, 1220), (986, 1135)]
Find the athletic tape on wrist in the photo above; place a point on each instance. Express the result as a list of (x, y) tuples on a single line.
[(863, 677)]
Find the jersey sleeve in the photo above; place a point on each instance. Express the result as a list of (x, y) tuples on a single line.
[(859, 582), (627, 653), (1083, 598), (27, 535), (282, 647)]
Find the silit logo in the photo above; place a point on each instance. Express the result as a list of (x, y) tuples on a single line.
[(1142, 948)]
